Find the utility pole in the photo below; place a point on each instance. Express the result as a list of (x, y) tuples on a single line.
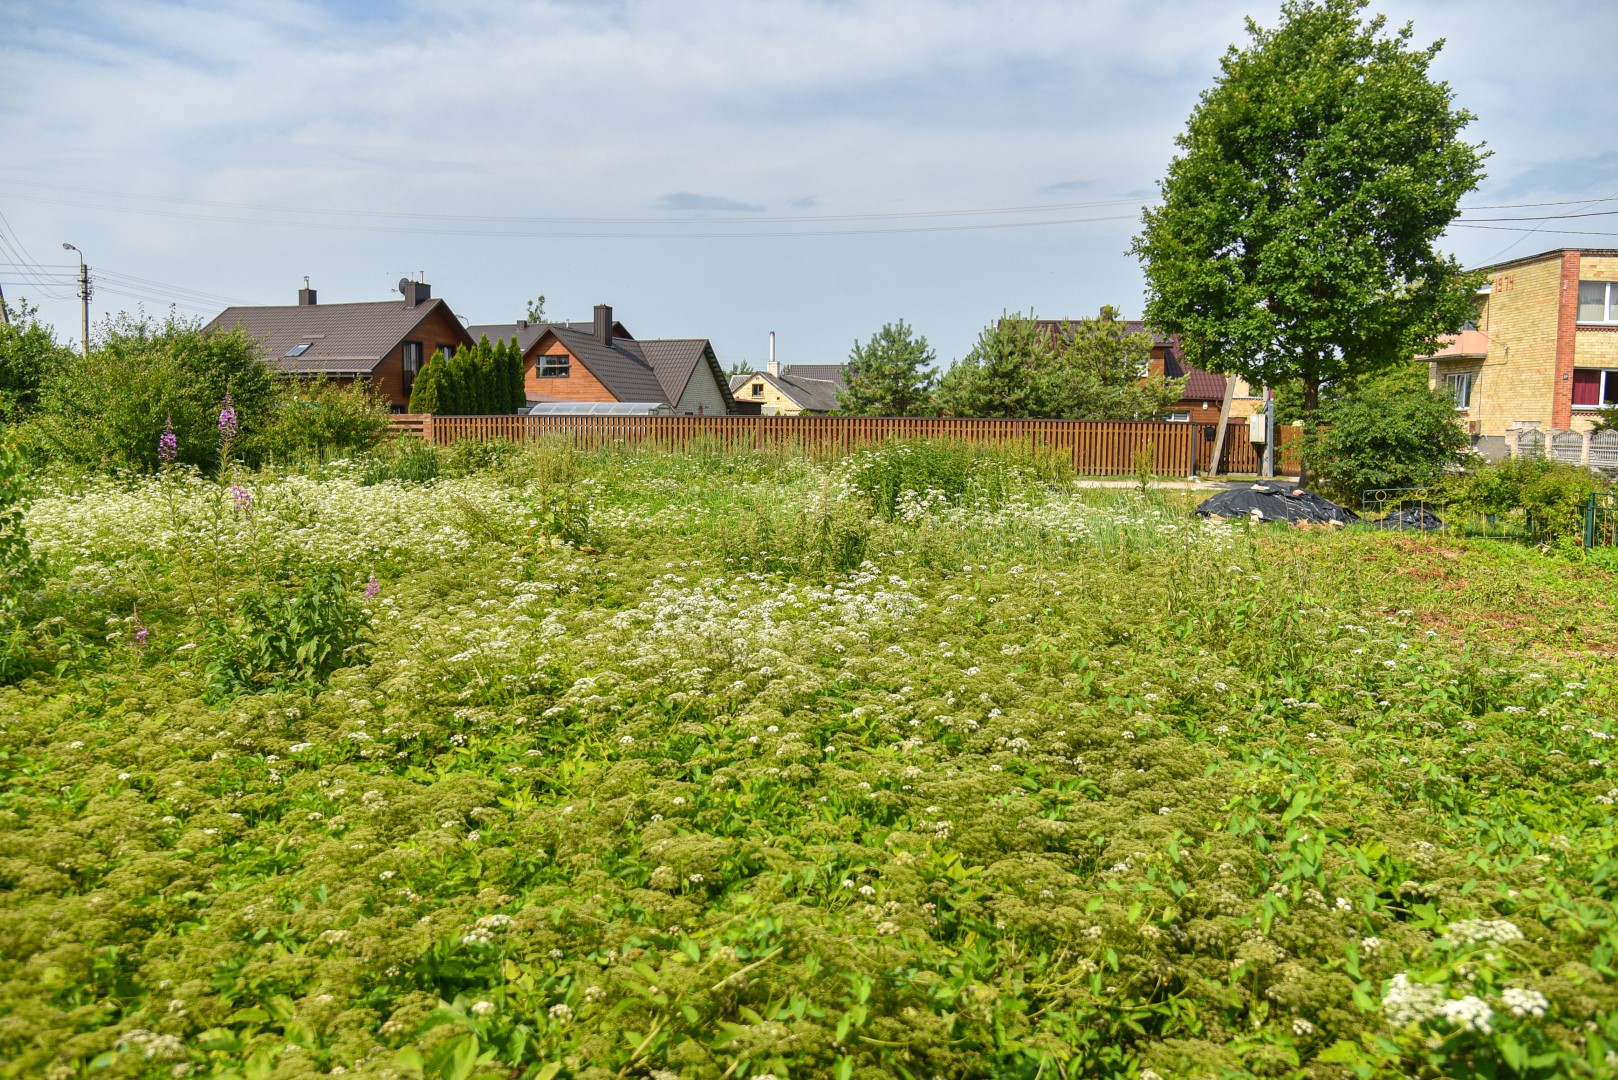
[(84, 297), (5, 316), (1268, 469)]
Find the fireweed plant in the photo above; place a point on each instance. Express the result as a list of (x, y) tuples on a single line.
[(1046, 783)]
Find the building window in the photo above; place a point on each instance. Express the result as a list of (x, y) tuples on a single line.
[(1598, 301), (1594, 388), (410, 359), (445, 351), (1180, 416), (1460, 388), (300, 348), (758, 389), (554, 367)]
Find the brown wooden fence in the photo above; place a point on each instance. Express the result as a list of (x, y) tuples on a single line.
[(1096, 447)]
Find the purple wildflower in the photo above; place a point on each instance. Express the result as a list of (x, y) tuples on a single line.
[(140, 637), (373, 588), (243, 497), (227, 421), (168, 445)]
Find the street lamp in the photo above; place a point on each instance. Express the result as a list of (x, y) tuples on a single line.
[(84, 296)]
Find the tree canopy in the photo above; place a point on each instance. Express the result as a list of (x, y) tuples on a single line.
[(1295, 237), (890, 375), (1091, 369)]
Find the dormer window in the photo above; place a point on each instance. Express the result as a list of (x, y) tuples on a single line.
[(300, 348)]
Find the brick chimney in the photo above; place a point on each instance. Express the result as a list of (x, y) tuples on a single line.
[(416, 293), (306, 295), (603, 326)]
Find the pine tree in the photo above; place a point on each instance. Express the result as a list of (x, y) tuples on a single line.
[(891, 375)]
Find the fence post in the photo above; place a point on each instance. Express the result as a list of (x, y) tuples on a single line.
[(427, 429)]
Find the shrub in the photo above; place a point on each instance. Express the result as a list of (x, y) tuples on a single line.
[(108, 411), (1551, 494), (284, 640), (468, 456), (29, 353), (17, 567), (407, 459), (902, 471), (1383, 437), (317, 420)]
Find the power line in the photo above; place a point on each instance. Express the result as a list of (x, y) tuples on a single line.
[(1548, 232), (1559, 202), (750, 218), (548, 234)]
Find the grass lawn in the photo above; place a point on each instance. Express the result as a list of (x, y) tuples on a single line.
[(729, 765)]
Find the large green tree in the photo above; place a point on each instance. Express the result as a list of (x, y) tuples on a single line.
[(1296, 235), (890, 375)]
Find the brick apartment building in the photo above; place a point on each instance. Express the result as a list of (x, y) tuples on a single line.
[(1543, 351)]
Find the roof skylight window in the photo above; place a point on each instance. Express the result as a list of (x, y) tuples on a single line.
[(300, 348)]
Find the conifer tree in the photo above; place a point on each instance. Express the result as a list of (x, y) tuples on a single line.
[(424, 395)]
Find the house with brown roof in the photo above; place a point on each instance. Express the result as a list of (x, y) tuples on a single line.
[(383, 342), (601, 361), (795, 390), (1204, 391)]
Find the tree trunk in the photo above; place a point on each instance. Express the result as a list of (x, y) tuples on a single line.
[(1311, 404)]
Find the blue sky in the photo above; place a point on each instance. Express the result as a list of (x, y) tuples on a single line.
[(710, 169)]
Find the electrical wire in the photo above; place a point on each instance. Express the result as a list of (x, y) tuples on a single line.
[(750, 218), (529, 233)]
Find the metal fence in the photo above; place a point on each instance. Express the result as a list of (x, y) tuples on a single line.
[(1601, 520), (1095, 447)]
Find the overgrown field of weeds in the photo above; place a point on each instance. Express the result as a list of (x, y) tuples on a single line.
[(918, 764)]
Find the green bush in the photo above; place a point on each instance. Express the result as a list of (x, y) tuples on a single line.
[(280, 640), (17, 567), (1550, 494), (407, 459), (468, 456), (108, 411), (29, 353), (319, 420), (902, 473), (1382, 437)]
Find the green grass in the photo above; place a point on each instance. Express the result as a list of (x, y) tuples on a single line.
[(725, 765)]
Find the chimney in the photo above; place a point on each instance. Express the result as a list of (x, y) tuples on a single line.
[(773, 367), (306, 295), (522, 324), (416, 293), (603, 327)]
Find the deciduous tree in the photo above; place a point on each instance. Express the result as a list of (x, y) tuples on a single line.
[(1296, 238)]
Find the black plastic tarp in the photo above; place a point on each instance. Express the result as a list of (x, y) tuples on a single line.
[(1267, 502), (1412, 518)]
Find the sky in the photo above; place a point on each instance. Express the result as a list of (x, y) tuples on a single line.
[(711, 169)]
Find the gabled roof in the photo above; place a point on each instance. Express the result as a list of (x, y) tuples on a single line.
[(832, 373), (1131, 326), (675, 360), (527, 333), (621, 367), (1199, 385), (815, 395), (343, 339)]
